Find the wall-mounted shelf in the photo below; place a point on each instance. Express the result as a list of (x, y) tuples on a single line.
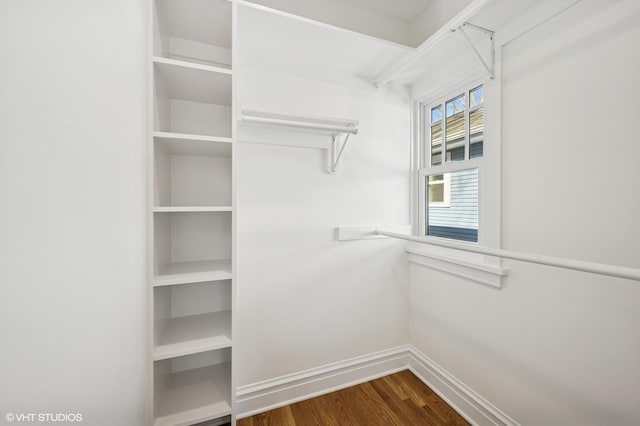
[(171, 136), (193, 272), (192, 396), (335, 128), (194, 172), (191, 65), (193, 30), (192, 334), (193, 82), (192, 99), (192, 209)]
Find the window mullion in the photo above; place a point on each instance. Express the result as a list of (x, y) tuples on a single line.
[(467, 129), (424, 134), (443, 155)]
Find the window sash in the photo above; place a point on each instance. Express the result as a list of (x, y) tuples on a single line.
[(427, 127), (424, 173)]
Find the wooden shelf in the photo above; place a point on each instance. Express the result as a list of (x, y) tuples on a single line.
[(190, 83), (185, 144), (195, 396), (191, 209), (193, 334), (199, 30), (188, 137), (193, 272), (191, 65), (191, 187)]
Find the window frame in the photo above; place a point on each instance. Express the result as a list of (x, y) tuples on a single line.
[(426, 169), (484, 270)]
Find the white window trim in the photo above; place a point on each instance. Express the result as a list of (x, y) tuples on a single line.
[(485, 270), (492, 170)]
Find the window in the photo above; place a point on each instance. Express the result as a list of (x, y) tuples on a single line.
[(439, 190), (453, 147)]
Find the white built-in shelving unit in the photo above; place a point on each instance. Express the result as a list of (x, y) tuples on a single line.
[(191, 147)]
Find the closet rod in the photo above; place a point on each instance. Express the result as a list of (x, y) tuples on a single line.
[(558, 262), (301, 124)]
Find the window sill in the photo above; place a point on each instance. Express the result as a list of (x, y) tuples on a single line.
[(475, 267)]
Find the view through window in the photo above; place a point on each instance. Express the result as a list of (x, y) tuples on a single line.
[(454, 127)]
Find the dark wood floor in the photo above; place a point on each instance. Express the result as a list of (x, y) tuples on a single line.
[(399, 399)]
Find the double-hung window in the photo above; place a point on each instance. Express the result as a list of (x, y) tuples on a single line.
[(453, 150)]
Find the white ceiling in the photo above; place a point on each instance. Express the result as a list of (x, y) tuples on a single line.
[(404, 10)]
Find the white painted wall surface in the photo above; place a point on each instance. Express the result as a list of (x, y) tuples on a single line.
[(553, 346), (72, 244), (304, 299)]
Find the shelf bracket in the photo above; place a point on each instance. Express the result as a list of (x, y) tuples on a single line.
[(335, 151), (491, 69)]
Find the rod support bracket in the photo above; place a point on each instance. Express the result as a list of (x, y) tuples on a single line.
[(491, 67), (335, 151)]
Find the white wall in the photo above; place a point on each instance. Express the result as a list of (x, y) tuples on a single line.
[(72, 173), (304, 299), (554, 346)]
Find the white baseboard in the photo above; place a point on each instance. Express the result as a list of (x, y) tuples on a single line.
[(280, 391), (477, 410), (269, 394)]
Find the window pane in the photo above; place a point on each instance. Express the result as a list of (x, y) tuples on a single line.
[(476, 96), (436, 144), (476, 133), (455, 106), (436, 189), (455, 129), (456, 216), (436, 114)]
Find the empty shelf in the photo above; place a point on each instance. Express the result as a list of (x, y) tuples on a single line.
[(194, 272), (194, 84), (193, 334), (191, 209), (195, 396), (186, 144), (191, 65)]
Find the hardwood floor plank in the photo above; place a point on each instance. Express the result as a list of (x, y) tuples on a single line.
[(335, 405), (399, 399), (281, 417), (408, 412), (316, 412), (247, 421), (420, 392), (367, 407), (396, 384)]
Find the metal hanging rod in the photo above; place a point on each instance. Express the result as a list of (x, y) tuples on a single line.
[(302, 124), (334, 126), (558, 262)]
